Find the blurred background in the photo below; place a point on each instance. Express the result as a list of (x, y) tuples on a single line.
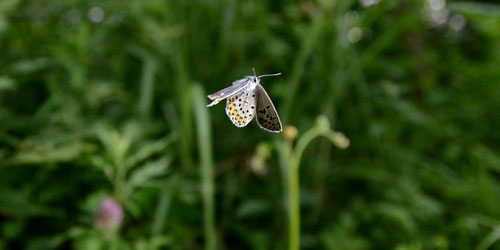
[(106, 143)]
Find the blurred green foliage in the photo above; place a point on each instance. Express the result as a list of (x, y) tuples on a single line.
[(105, 99)]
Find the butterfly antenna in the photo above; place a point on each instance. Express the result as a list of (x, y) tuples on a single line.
[(276, 74), (253, 69)]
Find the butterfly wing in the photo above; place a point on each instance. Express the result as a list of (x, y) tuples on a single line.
[(241, 107), (267, 116), (220, 95)]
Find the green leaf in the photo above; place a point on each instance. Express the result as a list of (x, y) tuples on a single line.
[(147, 150), (147, 172), (49, 154), (489, 9), (7, 83), (7, 5), (17, 203)]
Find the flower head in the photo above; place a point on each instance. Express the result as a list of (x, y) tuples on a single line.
[(110, 214), (290, 133)]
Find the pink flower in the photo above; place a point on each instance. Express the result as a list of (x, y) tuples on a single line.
[(110, 214)]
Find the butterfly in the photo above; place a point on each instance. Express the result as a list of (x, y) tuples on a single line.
[(246, 98)]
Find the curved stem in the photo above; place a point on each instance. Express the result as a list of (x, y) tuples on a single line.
[(294, 186), (304, 141)]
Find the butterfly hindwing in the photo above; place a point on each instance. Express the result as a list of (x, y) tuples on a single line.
[(241, 107), (267, 116)]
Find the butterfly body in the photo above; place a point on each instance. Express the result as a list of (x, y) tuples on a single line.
[(246, 98)]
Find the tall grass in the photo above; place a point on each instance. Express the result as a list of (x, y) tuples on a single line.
[(203, 128)]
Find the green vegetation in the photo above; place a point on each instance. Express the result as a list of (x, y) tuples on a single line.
[(106, 143)]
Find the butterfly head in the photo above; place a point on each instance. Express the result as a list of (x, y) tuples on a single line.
[(256, 79)]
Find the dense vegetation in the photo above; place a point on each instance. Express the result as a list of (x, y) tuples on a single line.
[(106, 143)]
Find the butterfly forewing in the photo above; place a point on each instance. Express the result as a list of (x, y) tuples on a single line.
[(241, 107), (267, 116), (227, 92)]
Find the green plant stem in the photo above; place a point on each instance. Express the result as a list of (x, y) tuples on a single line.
[(293, 158), (293, 205), (206, 167), (304, 141)]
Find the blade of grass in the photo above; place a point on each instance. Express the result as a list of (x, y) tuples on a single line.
[(299, 64), (163, 206), (174, 122), (489, 9), (490, 239), (147, 87), (185, 115), (206, 166)]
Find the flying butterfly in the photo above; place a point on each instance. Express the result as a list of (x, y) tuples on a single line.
[(246, 98)]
